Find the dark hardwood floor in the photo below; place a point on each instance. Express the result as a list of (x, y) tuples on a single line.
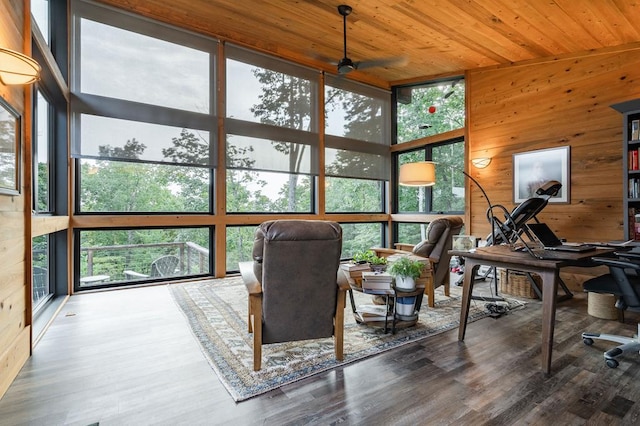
[(127, 357)]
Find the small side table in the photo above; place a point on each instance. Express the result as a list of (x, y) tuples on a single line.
[(355, 284)]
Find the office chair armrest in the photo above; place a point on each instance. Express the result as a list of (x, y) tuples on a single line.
[(628, 255), (616, 263)]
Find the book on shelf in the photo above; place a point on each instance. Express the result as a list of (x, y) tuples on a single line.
[(635, 130), (634, 223)]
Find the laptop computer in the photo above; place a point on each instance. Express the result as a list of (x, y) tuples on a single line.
[(550, 241)]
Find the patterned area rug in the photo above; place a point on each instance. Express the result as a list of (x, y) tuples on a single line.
[(217, 314)]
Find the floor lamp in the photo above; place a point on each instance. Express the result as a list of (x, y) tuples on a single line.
[(423, 173)]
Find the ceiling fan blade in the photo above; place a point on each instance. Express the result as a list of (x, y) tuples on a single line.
[(399, 61)]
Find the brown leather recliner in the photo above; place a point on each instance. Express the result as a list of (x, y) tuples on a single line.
[(436, 247), (292, 284)]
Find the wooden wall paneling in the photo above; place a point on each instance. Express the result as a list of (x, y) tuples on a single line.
[(14, 331), (11, 337), (12, 360), (550, 104)]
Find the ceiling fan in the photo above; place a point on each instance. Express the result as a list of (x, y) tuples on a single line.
[(346, 65)]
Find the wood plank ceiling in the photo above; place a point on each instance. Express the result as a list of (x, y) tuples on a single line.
[(437, 37)]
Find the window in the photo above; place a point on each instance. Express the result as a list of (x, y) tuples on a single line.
[(347, 195), (358, 237), (357, 147), (119, 186), (447, 195), (432, 109), (143, 118), (158, 72), (411, 233), (42, 140), (429, 109), (49, 158), (272, 135), (239, 245), (40, 13), (41, 266), (110, 257)]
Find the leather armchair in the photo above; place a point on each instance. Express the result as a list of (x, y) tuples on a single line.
[(292, 284), (435, 247)]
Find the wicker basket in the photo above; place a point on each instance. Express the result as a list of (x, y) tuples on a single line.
[(517, 283), (602, 306)]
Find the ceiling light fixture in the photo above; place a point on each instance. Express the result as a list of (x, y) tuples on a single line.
[(17, 68)]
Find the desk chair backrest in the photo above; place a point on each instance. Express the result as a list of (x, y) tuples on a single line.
[(297, 263), (437, 245), (628, 285)]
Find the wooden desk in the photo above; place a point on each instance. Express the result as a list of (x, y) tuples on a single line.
[(548, 269)]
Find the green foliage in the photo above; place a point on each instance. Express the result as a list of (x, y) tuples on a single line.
[(405, 267), (353, 195), (369, 256), (43, 188), (359, 237), (449, 115)]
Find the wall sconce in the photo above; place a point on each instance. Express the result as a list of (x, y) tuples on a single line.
[(481, 163), (17, 68)]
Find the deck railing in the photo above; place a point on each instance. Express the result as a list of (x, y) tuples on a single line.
[(112, 261)]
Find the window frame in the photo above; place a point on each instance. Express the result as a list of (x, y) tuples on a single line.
[(114, 108)]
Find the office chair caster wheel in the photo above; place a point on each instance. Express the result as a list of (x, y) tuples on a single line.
[(612, 363), (587, 341)]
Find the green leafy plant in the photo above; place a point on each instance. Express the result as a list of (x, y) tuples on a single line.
[(405, 267), (369, 256)]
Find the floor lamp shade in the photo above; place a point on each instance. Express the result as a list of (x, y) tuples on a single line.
[(421, 173)]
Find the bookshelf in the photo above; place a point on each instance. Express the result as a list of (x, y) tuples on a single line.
[(630, 167)]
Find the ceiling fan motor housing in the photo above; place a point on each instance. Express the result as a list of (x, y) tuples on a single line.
[(345, 65)]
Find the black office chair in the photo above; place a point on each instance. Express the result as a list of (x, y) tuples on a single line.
[(624, 282)]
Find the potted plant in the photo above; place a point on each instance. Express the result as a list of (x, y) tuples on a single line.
[(369, 256), (406, 271), (361, 257)]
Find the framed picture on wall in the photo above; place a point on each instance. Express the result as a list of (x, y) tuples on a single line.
[(533, 168), (9, 149)]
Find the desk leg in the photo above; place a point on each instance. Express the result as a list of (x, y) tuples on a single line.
[(549, 287), (470, 269)]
